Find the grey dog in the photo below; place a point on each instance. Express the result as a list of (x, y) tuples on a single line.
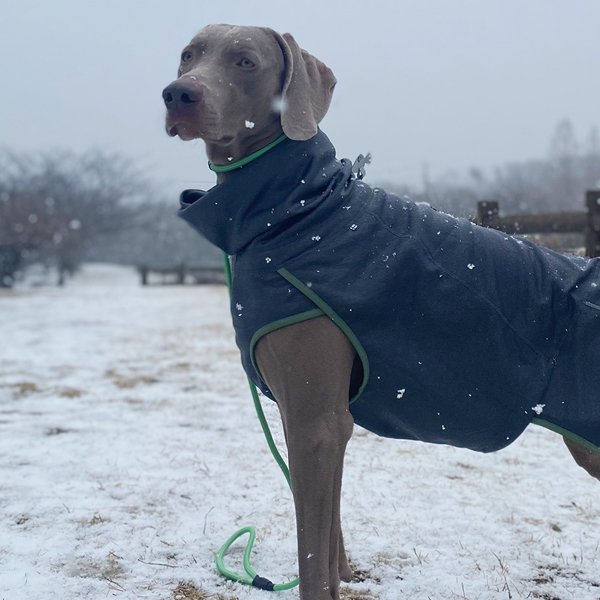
[(405, 354)]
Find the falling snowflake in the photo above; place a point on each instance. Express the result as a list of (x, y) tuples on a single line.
[(470, 266), (268, 259), (400, 393), (249, 124), (538, 409), (316, 238), (239, 306), (354, 226)]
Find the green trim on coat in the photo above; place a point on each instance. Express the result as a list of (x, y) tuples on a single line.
[(566, 433), (278, 324), (337, 320)]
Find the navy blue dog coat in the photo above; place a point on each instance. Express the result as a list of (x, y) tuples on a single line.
[(465, 335)]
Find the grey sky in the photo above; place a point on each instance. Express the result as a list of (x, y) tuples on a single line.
[(454, 83)]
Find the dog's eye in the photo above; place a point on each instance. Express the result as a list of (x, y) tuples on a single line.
[(246, 63), (186, 56)]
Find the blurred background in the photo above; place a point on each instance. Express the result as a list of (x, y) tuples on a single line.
[(457, 102)]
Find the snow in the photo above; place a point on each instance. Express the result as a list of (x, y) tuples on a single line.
[(129, 452)]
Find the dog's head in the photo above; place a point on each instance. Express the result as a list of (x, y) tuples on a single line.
[(243, 83)]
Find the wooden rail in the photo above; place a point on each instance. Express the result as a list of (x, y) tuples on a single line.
[(181, 274), (586, 223)]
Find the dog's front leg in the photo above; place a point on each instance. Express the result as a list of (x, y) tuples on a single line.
[(307, 367)]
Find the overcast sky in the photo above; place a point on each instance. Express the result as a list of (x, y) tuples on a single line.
[(450, 83)]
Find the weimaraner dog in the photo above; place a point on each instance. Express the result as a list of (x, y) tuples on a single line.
[(239, 89)]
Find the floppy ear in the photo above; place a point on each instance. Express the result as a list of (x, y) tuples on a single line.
[(307, 89)]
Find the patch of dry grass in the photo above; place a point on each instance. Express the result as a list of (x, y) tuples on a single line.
[(127, 382), (348, 594), (188, 591), (25, 388), (69, 392)]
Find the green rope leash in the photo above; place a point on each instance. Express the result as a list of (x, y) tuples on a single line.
[(250, 577)]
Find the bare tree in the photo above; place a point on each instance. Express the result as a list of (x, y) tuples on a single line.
[(53, 206), (565, 165), (557, 183), (591, 160)]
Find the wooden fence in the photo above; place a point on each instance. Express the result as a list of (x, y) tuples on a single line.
[(586, 223)]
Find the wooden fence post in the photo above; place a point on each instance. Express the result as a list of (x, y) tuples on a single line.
[(487, 212), (180, 271), (592, 229)]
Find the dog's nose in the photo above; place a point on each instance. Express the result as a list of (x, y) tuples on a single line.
[(180, 94)]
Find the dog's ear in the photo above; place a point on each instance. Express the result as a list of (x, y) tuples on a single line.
[(307, 90)]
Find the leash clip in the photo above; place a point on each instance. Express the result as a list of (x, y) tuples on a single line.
[(358, 168)]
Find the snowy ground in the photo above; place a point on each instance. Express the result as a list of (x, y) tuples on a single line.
[(129, 452)]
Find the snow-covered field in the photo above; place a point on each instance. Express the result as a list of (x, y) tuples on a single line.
[(129, 451)]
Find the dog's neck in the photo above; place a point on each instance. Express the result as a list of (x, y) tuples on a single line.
[(230, 153)]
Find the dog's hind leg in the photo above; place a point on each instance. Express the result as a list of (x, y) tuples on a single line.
[(308, 367), (586, 459)]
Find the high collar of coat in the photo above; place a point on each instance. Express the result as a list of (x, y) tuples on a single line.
[(271, 198)]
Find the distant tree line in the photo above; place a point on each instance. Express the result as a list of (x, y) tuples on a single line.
[(556, 183), (59, 209)]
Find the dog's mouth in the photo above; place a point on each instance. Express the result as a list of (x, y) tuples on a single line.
[(173, 130), (184, 131)]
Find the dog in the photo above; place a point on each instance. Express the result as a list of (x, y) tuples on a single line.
[(353, 305)]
